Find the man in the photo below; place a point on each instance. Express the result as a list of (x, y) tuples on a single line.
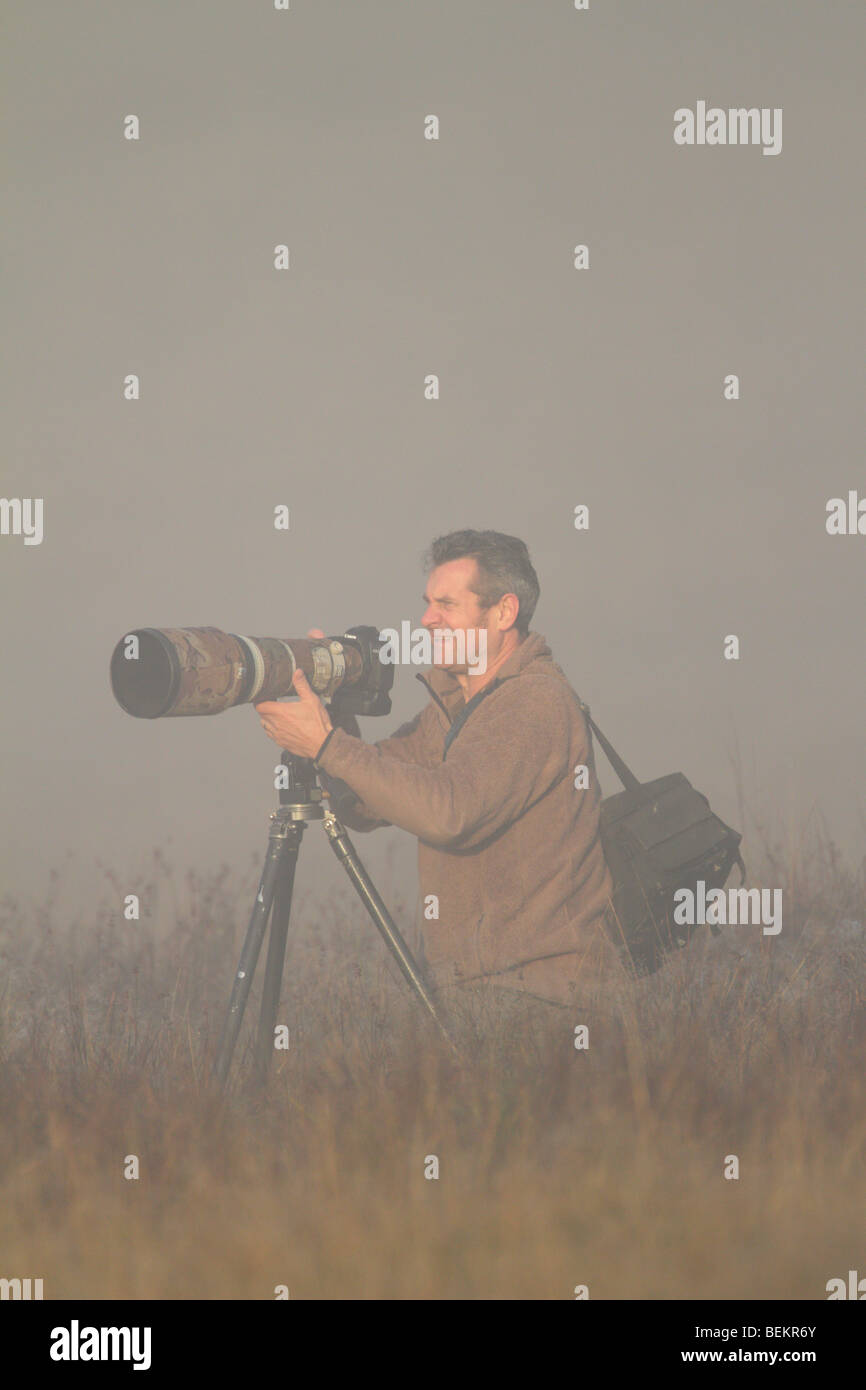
[(495, 777)]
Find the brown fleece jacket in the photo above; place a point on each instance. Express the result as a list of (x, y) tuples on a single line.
[(507, 844)]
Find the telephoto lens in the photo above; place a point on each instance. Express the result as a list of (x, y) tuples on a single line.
[(158, 672)]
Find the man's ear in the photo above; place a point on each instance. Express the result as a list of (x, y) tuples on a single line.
[(509, 609)]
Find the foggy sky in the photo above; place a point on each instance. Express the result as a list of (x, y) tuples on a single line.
[(410, 257)]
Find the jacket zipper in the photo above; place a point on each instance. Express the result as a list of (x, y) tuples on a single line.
[(429, 687), (464, 712)]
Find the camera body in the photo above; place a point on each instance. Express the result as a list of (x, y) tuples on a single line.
[(369, 695)]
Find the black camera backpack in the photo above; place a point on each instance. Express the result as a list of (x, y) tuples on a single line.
[(658, 837)]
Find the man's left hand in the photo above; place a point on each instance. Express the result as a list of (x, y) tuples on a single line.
[(301, 727)]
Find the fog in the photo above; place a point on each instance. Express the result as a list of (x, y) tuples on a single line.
[(601, 387)]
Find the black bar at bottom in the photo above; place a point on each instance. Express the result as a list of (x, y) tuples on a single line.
[(263, 1337)]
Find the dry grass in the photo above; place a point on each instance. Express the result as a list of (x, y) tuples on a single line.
[(557, 1168)]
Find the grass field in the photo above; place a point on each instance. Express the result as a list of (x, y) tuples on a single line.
[(557, 1167)]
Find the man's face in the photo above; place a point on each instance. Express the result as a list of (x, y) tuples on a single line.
[(453, 607)]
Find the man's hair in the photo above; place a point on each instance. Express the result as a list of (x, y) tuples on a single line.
[(504, 567)]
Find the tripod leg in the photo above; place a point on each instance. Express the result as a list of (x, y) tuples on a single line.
[(250, 953), (348, 856), (282, 906)]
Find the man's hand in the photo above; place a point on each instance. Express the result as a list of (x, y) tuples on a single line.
[(300, 728)]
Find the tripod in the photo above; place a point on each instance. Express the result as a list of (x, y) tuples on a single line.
[(300, 801)]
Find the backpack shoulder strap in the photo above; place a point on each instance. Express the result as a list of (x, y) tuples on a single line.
[(624, 773)]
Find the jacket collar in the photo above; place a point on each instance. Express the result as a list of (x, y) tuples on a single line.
[(446, 691)]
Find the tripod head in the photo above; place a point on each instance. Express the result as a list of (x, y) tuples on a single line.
[(299, 791)]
